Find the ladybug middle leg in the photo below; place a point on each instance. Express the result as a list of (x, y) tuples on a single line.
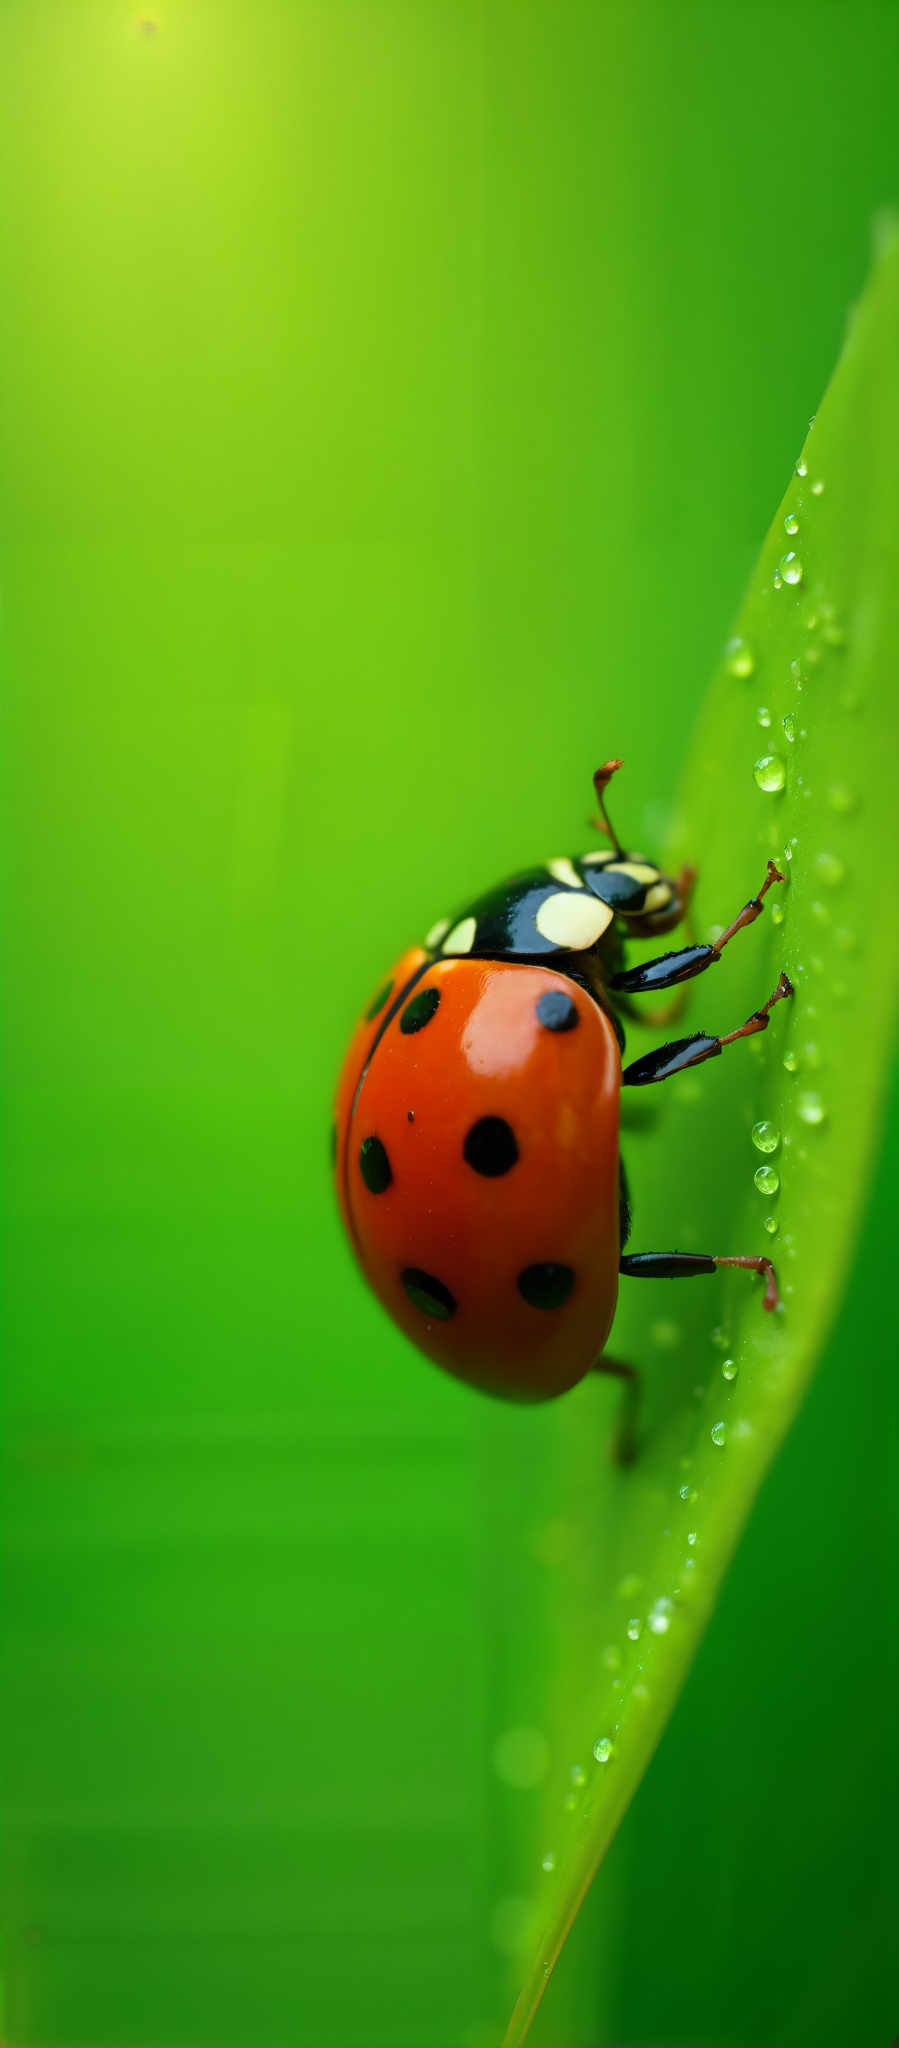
[(689, 1052)]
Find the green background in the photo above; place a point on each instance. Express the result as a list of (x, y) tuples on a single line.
[(395, 398)]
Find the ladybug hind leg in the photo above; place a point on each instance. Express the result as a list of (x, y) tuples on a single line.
[(624, 1442)]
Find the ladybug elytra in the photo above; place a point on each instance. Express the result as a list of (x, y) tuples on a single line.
[(476, 1131)]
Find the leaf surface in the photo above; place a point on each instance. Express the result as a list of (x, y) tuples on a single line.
[(794, 760)]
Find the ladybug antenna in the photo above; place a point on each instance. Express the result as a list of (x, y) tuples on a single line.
[(601, 780)]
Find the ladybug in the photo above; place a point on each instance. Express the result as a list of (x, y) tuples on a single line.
[(476, 1126)]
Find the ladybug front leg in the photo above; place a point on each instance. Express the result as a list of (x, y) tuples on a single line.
[(689, 1052), (672, 968)]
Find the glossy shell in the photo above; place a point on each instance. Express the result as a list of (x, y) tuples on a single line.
[(477, 1168)]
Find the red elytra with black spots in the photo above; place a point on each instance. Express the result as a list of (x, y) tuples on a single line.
[(477, 1168)]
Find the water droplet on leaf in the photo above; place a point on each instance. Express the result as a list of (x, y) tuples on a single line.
[(659, 1616), (765, 1137), (770, 772), (767, 1180), (739, 657), (811, 1108)]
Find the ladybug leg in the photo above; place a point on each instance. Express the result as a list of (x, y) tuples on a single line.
[(672, 968), (684, 1265), (689, 1052), (624, 1447)]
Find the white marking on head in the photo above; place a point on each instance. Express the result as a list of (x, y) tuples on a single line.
[(639, 871), (658, 898), (562, 871)]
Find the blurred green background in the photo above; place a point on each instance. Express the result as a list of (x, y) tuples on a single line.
[(395, 397)]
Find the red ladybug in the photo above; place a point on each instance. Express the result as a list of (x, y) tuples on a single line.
[(476, 1129)]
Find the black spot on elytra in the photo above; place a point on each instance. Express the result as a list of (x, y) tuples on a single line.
[(490, 1146), (428, 1294), (419, 1012), (374, 1166), (546, 1286), (378, 1001), (556, 1011)]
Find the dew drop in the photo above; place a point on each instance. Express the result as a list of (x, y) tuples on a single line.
[(777, 913), (692, 1536), (578, 1775), (719, 1433), (720, 1338), (811, 1107), (602, 1749), (763, 715), (730, 1368), (777, 580), (771, 1225), (791, 568), (739, 657), (770, 772), (802, 466), (659, 1616), (767, 1180), (791, 523), (817, 487), (548, 1862), (791, 1062), (635, 1629), (688, 1492), (841, 798), (789, 726), (765, 1137), (830, 869)]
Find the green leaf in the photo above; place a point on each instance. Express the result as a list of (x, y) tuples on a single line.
[(806, 685)]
